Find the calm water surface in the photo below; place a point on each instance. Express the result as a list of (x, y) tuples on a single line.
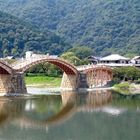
[(98, 115)]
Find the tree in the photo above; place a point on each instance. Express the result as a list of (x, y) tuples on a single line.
[(126, 73), (81, 52), (5, 52), (71, 58)]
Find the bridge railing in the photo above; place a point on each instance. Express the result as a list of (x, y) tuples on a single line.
[(5, 62), (85, 67), (25, 61)]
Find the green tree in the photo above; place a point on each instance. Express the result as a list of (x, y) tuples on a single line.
[(71, 58), (126, 73), (81, 51), (5, 52)]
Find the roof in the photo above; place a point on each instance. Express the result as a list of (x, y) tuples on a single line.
[(9, 57), (136, 57), (93, 57), (114, 57)]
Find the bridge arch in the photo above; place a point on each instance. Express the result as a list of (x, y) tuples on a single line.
[(6, 73), (63, 65), (70, 76), (98, 76), (5, 68)]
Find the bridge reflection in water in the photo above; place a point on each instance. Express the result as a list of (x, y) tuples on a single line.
[(43, 111), (98, 115)]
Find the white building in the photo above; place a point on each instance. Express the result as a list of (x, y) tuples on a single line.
[(28, 54), (115, 58), (136, 60)]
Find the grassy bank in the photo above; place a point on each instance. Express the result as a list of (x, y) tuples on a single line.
[(43, 80), (127, 88)]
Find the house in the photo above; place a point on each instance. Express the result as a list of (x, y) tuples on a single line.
[(115, 58), (29, 54), (93, 59), (10, 57), (136, 60)]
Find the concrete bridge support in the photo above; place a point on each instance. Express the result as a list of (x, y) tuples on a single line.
[(74, 82), (69, 82), (82, 81), (5, 84), (18, 83), (11, 84)]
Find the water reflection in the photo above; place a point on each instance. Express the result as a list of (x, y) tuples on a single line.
[(10, 109), (87, 101), (97, 115), (47, 110)]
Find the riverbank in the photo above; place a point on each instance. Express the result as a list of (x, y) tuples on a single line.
[(51, 83), (127, 88), (43, 81)]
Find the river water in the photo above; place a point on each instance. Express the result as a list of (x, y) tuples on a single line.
[(94, 115)]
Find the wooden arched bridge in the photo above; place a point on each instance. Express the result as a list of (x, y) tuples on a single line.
[(12, 76)]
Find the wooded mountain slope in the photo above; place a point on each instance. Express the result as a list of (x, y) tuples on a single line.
[(17, 36), (107, 26)]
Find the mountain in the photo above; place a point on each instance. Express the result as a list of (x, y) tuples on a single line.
[(107, 26), (17, 36)]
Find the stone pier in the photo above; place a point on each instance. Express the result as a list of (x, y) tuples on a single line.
[(74, 82), (12, 84), (69, 82), (18, 83), (5, 84)]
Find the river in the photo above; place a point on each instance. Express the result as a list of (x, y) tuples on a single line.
[(94, 115)]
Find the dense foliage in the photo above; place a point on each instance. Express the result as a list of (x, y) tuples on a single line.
[(105, 25), (81, 52), (16, 37), (126, 74), (45, 69)]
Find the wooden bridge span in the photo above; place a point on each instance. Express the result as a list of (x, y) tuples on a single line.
[(12, 76)]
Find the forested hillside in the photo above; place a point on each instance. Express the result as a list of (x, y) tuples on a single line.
[(107, 26), (17, 36)]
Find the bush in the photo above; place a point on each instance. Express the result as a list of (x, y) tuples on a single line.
[(137, 81), (126, 73), (123, 86), (115, 81)]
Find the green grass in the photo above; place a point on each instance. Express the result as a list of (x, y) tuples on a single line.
[(123, 88), (43, 80), (127, 88), (124, 85)]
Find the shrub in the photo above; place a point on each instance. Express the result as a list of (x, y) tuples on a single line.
[(123, 86)]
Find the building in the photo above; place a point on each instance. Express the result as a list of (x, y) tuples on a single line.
[(28, 54), (93, 59), (115, 59), (136, 60)]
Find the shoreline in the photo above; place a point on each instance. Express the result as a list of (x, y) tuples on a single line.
[(43, 89), (133, 89), (34, 90)]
